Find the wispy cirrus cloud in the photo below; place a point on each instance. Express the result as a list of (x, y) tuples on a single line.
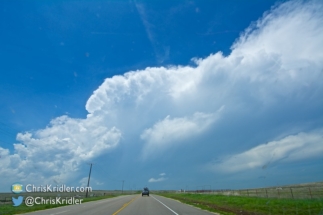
[(161, 52)]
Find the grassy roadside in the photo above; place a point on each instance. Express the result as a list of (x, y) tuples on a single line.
[(229, 205), (9, 209)]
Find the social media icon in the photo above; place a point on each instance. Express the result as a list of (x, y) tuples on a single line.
[(16, 188), (18, 201)]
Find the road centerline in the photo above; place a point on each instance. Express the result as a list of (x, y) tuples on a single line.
[(124, 206), (165, 205)]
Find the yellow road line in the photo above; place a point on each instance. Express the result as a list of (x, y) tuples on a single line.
[(124, 206)]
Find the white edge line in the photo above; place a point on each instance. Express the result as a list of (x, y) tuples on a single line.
[(59, 212), (165, 206)]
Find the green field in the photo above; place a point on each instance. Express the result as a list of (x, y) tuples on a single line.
[(250, 205)]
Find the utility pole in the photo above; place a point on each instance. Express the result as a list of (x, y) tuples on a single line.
[(88, 181), (122, 186)]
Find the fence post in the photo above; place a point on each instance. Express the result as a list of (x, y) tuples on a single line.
[(291, 191), (278, 194), (266, 193), (256, 193), (310, 192), (248, 192)]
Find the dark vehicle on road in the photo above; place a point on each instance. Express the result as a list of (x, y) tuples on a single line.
[(145, 192)]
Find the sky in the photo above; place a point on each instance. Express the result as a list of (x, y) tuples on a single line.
[(163, 94)]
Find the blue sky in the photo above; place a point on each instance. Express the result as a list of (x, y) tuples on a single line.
[(162, 94)]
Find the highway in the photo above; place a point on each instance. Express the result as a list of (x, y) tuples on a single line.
[(127, 205)]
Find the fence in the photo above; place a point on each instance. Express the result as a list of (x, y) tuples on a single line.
[(310, 192)]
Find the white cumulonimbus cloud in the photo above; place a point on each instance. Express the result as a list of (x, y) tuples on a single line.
[(277, 62), (288, 149), (54, 154)]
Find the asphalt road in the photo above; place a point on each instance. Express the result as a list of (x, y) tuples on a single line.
[(127, 205)]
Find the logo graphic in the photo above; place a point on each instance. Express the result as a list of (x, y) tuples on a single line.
[(18, 201), (16, 188)]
